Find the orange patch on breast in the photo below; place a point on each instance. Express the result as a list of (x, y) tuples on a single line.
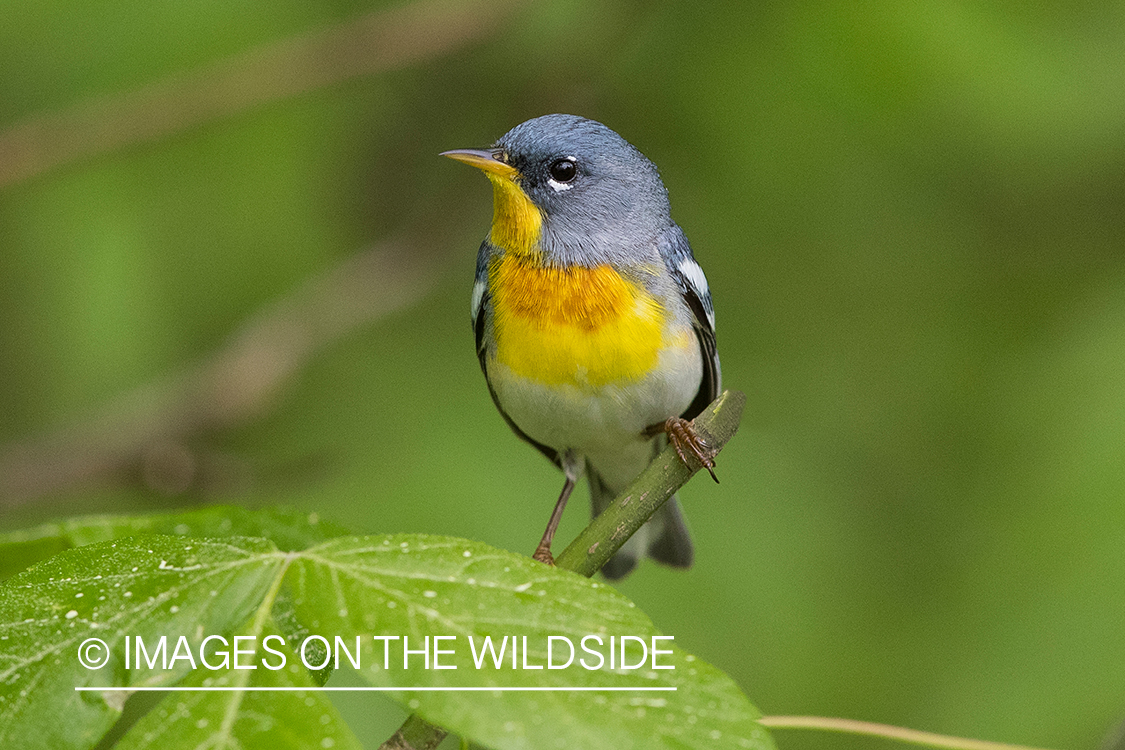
[(581, 326)]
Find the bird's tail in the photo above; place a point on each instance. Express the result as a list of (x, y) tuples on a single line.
[(664, 537)]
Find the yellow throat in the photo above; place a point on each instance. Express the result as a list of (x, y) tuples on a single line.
[(516, 221)]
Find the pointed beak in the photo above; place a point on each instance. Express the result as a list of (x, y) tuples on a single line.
[(487, 160)]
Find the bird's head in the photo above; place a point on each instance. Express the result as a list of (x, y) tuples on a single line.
[(570, 190)]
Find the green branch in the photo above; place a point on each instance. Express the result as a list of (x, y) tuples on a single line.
[(612, 528)]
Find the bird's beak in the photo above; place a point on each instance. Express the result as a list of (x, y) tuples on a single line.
[(516, 220), (488, 160)]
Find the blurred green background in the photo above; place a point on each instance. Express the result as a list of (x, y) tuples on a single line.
[(912, 216)]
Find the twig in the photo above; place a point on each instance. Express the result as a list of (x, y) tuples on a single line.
[(667, 473), (614, 525), (886, 731), (379, 41), (235, 384)]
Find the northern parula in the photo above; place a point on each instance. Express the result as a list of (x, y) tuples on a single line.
[(594, 324)]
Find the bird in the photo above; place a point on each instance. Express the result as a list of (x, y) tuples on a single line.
[(594, 324)]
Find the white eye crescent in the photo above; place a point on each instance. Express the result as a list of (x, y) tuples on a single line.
[(561, 173)]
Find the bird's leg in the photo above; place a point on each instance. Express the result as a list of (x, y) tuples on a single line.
[(686, 440), (543, 551)]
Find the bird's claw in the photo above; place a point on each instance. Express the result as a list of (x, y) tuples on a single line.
[(686, 440)]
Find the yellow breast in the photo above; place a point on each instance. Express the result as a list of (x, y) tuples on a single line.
[(580, 326)]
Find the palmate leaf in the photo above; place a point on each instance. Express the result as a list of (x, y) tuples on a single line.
[(408, 586), (147, 586)]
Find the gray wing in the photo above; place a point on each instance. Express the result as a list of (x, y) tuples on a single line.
[(693, 287), (481, 310)]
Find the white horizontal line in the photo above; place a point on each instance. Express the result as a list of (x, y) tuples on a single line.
[(276, 689)]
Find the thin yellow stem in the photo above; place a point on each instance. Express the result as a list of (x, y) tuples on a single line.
[(886, 731)]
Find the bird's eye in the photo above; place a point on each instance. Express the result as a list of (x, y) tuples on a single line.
[(563, 170)]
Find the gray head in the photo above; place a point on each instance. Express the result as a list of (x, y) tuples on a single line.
[(573, 190), (598, 194)]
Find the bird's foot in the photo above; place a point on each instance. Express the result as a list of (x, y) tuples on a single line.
[(687, 441)]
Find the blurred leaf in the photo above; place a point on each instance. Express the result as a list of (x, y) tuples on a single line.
[(287, 529)]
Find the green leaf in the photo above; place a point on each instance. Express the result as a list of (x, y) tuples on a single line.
[(417, 587), (289, 720), (146, 586), (409, 587), (287, 529)]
